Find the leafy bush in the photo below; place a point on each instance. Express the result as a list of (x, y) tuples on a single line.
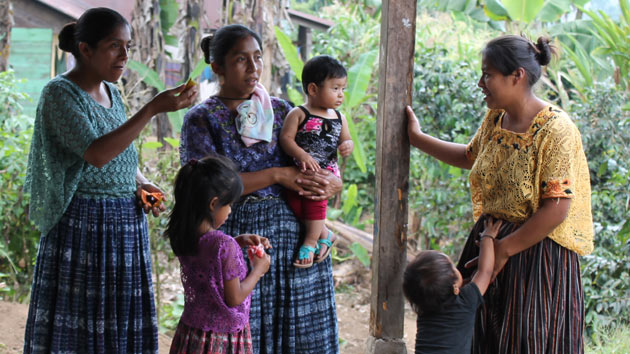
[(449, 106), (606, 273), (160, 166), (20, 237)]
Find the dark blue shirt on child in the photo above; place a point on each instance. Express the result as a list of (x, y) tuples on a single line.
[(450, 330)]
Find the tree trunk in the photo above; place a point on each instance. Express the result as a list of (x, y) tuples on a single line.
[(146, 32), (192, 37), (6, 23)]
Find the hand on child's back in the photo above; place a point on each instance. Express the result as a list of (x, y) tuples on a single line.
[(346, 147)]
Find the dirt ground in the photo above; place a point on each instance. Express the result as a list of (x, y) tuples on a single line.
[(353, 310)]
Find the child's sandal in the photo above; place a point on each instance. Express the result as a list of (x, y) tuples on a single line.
[(329, 245), (303, 254)]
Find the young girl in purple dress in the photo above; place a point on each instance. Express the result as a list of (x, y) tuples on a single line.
[(213, 269)]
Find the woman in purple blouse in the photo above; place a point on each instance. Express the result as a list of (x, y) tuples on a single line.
[(292, 309)]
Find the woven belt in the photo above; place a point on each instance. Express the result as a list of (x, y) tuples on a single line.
[(251, 198)]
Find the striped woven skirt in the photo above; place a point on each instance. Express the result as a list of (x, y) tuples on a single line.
[(292, 310), (189, 340), (92, 289), (536, 303)]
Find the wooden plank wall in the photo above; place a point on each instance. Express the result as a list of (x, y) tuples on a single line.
[(31, 59), (398, 27)]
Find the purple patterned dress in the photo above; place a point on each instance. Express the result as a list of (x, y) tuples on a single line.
[(208, 325), (292, 310)]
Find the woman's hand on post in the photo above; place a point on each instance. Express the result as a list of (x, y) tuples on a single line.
[(413, 125), (173, 99)]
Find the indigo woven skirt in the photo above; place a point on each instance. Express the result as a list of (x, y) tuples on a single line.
[(536, 303), (293, 310), (92, 288)]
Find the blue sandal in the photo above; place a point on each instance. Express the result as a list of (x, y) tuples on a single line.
[(329, 244), (303, 254)]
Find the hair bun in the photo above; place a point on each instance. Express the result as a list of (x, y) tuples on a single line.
[(205, 47), (543, 54), (66, 37)]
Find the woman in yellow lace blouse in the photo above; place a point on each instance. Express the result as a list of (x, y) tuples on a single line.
[(529, 169)]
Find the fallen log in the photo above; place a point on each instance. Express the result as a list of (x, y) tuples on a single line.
[(349, 235)]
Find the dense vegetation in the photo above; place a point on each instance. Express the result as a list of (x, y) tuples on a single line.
[(589, 80)]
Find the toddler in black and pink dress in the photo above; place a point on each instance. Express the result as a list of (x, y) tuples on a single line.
[(312, 134)]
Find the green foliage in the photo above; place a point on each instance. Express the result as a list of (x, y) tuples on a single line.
[(523, 10), (361, 253), (615, 40), (152, 78), (606, 273), (610, 341), (146, 74), (449, 106), (171, 314), (499, 13), (160, 166), (553, 10), (290, 53), (19, 236), (169, 10)]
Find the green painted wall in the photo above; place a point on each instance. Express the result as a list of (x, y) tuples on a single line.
[(31, 58)]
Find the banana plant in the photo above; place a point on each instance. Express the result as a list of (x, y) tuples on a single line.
[(152, 78), (615, 40), (500, 14), (169, 9)]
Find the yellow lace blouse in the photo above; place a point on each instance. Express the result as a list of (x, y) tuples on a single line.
[(513, 172)]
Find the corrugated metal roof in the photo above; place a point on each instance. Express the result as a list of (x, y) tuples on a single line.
[(308, 20)]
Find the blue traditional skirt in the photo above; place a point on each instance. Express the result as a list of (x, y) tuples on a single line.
[(92, 288), (292, 310)]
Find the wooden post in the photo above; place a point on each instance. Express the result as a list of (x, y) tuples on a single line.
[(305, 41), (398, 27)]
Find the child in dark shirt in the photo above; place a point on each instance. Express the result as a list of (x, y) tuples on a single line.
[(446, 309)]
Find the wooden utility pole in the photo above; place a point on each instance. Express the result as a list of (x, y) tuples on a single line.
[(398, 27)]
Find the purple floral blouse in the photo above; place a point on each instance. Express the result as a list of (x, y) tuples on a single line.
[(209, 128), (219, 259)]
